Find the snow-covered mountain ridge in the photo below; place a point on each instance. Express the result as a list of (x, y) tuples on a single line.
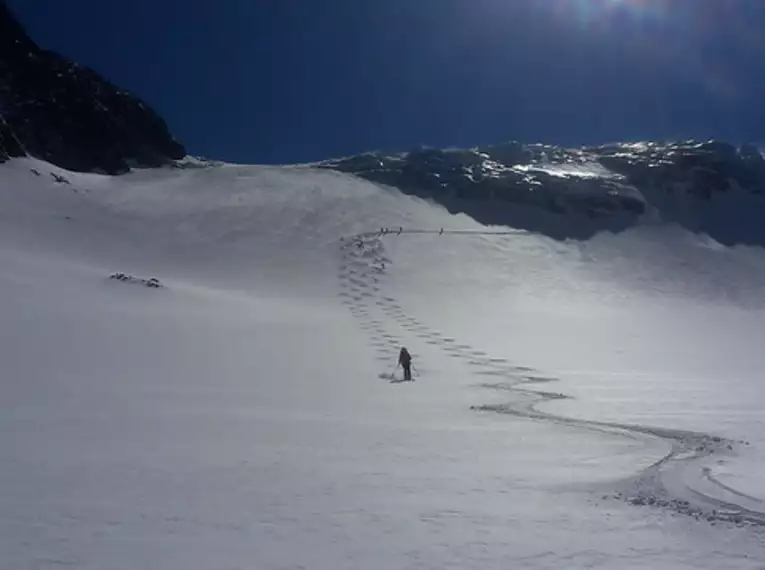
[(711, 186), (53, 109)]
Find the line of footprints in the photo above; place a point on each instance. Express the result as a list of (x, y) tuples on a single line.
[(363, 271), (364, 268)]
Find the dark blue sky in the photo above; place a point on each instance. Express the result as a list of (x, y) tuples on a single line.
[(295, 80)]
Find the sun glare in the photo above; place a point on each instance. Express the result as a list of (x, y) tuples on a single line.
[(596, 11)]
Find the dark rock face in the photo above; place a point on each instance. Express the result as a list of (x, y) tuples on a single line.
[(535, 187), (699, 169), (569, 192), (53, 109)]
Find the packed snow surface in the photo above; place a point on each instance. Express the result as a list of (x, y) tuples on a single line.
[(575, 404)]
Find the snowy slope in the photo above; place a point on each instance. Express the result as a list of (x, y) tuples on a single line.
[(240, 416)]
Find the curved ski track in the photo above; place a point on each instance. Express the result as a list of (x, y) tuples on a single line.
[(364, 267)]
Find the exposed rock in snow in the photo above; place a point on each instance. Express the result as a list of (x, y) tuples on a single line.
[(152, 282)]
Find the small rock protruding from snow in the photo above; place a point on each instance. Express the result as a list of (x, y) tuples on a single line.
[(151, 283), (59, 179)]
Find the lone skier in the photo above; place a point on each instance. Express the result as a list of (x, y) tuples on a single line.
[(405, 360)]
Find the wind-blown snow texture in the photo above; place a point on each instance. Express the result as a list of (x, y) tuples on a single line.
[(577, 404)]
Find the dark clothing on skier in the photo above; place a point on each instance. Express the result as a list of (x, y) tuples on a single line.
[(405, 360)]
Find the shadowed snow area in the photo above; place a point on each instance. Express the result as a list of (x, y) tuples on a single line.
[(575, 405)]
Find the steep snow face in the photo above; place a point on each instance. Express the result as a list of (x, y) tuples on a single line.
[(575, 403)]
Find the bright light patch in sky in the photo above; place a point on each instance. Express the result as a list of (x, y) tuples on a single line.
[(665, 33), (593, 12)]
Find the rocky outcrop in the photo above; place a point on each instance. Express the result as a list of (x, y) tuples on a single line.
[(699, 169), (151, 283), (567, 192), (56, 110)]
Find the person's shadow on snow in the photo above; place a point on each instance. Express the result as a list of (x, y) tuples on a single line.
[(393, 379)]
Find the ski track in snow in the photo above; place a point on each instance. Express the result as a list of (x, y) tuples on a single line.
[(363, 269)]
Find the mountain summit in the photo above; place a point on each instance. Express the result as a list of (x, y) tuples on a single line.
[(66, 114)]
